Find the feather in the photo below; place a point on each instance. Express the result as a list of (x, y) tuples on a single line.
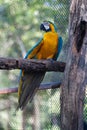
[(30, 84), (60, 42), (29, 52)]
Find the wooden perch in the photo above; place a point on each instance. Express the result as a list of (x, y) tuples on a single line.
[(31, 64), (43, 86)]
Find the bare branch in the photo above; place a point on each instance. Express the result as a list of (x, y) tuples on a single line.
[(43, 86), (31, 64)]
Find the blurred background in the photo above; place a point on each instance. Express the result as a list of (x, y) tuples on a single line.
[(19, 31)]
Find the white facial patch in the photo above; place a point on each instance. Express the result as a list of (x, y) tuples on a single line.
[(46, 27)]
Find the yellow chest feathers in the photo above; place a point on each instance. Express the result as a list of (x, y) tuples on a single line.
[(50, 39), (49, 47)]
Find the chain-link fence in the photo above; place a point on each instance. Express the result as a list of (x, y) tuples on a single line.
[(19, 23), (85, 107)]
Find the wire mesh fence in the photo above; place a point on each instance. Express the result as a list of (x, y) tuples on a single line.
[(85, 106), (19, 23)]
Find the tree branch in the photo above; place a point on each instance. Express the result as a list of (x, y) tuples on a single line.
[(43, 86), (31, 64)]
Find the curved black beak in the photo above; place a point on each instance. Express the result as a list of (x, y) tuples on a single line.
[(42, 27)]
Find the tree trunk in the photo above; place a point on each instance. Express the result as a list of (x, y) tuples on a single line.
[(75, 80), (36, 113), (24, 119)]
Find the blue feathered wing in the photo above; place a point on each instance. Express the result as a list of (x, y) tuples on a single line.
[(60, 43)]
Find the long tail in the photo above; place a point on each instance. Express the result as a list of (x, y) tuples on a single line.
[(30, 83)]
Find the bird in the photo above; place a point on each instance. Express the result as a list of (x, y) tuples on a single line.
[(48, 47)]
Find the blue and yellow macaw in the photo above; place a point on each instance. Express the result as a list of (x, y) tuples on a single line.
[(47, 47)]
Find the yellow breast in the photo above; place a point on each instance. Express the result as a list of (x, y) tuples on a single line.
[(49, 47)]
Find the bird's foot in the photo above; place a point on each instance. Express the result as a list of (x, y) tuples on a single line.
[(50, 59)]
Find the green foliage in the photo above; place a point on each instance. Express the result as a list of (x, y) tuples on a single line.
[(85, 106)]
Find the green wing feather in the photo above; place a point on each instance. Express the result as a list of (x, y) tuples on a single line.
[(29, 52)]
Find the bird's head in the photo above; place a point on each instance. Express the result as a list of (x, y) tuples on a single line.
[(48, 26)]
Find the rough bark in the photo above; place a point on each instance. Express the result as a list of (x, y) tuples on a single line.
[(75, 80), (31, 64)]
